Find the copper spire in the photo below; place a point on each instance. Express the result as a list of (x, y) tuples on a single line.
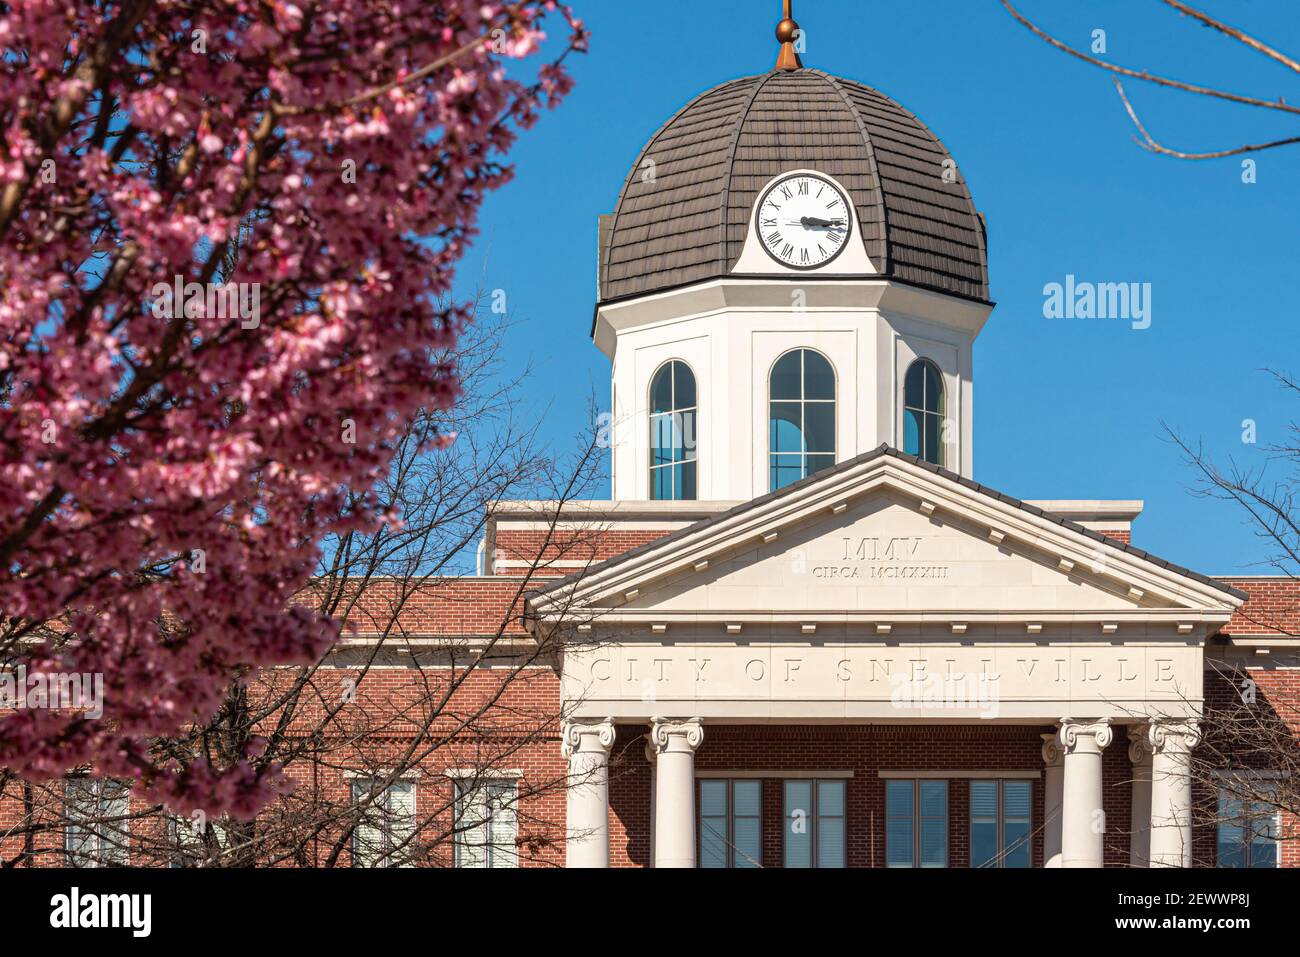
[(788, 58)]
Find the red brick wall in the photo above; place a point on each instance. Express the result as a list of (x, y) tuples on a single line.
[(1273, 607), (456, 607), (569, 545), (1277, 695), (529, 710), (391, 709)]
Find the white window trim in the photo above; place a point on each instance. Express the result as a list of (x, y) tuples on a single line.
[(356, 777), (100, 852), (488, 774), (513, 779), (383, 774), (651, 468), (833, 402)]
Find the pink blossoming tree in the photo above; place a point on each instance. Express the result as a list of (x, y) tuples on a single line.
[(227, 238)]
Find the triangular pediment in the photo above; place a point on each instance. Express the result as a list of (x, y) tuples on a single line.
[(885, 539)]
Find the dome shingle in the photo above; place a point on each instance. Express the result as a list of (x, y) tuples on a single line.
[(685, 206)]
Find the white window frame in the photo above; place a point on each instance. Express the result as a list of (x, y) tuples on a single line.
[(803, 402), (477, 845), (103, 851), (692, 452), (190, 849), (941, 414), (393, 833)]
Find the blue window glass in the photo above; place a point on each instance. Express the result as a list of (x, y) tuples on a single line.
[(923, 412), (1247, 831), (999, 824), (730, 823), (801, 417), (916, 823), (674, 420), (815, 834)]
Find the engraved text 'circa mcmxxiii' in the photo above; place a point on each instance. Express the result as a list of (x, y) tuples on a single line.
[(867, 558)]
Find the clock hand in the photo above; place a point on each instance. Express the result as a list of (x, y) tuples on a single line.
[(821, 223), (811, 222)]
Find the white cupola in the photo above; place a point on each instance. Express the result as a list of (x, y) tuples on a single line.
[(794, 274)]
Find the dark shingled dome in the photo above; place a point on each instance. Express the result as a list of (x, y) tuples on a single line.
[(712, 158)]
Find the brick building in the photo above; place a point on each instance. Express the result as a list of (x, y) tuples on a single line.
[(799, 633)]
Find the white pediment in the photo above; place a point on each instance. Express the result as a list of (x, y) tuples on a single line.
[(888, 541), (880, 556)]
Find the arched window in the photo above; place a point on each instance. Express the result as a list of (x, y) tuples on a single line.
[(923, 411), (672, 433), (801, 424)]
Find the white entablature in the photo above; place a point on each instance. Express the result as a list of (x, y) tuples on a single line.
[(831, 598)]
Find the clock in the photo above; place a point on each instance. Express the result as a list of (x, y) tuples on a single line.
[(803, 221)]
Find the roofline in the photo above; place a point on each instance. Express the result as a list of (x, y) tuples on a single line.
[(1091, 509), (882, 451), (1260, 578)]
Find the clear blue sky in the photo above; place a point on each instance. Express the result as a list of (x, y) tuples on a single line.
[(1063, 408)]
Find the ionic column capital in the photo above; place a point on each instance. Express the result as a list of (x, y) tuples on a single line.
[(668, 735), (1051, 749), (1173, 735), (1139, 747), (587, 735), (1072, 733)]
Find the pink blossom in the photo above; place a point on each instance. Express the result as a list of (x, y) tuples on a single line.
[(160, 469)]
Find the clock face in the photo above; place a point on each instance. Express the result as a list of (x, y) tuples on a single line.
[(803, 221)]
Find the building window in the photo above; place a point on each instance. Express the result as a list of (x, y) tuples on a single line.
[(801, 426), (673, 424), (814, 824), (1248, 831), (383, 837), (916, 823), (486, 824), (923, 410), (196, 841), (730, 825), (999, 824), (97, 833)]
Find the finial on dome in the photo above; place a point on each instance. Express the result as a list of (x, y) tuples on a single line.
[(786, 30)]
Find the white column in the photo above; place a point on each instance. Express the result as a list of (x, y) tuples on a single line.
[(1083, 821), (1171, 791), (673, 745), (1139, 752), (586, 745), (1053, 775)]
